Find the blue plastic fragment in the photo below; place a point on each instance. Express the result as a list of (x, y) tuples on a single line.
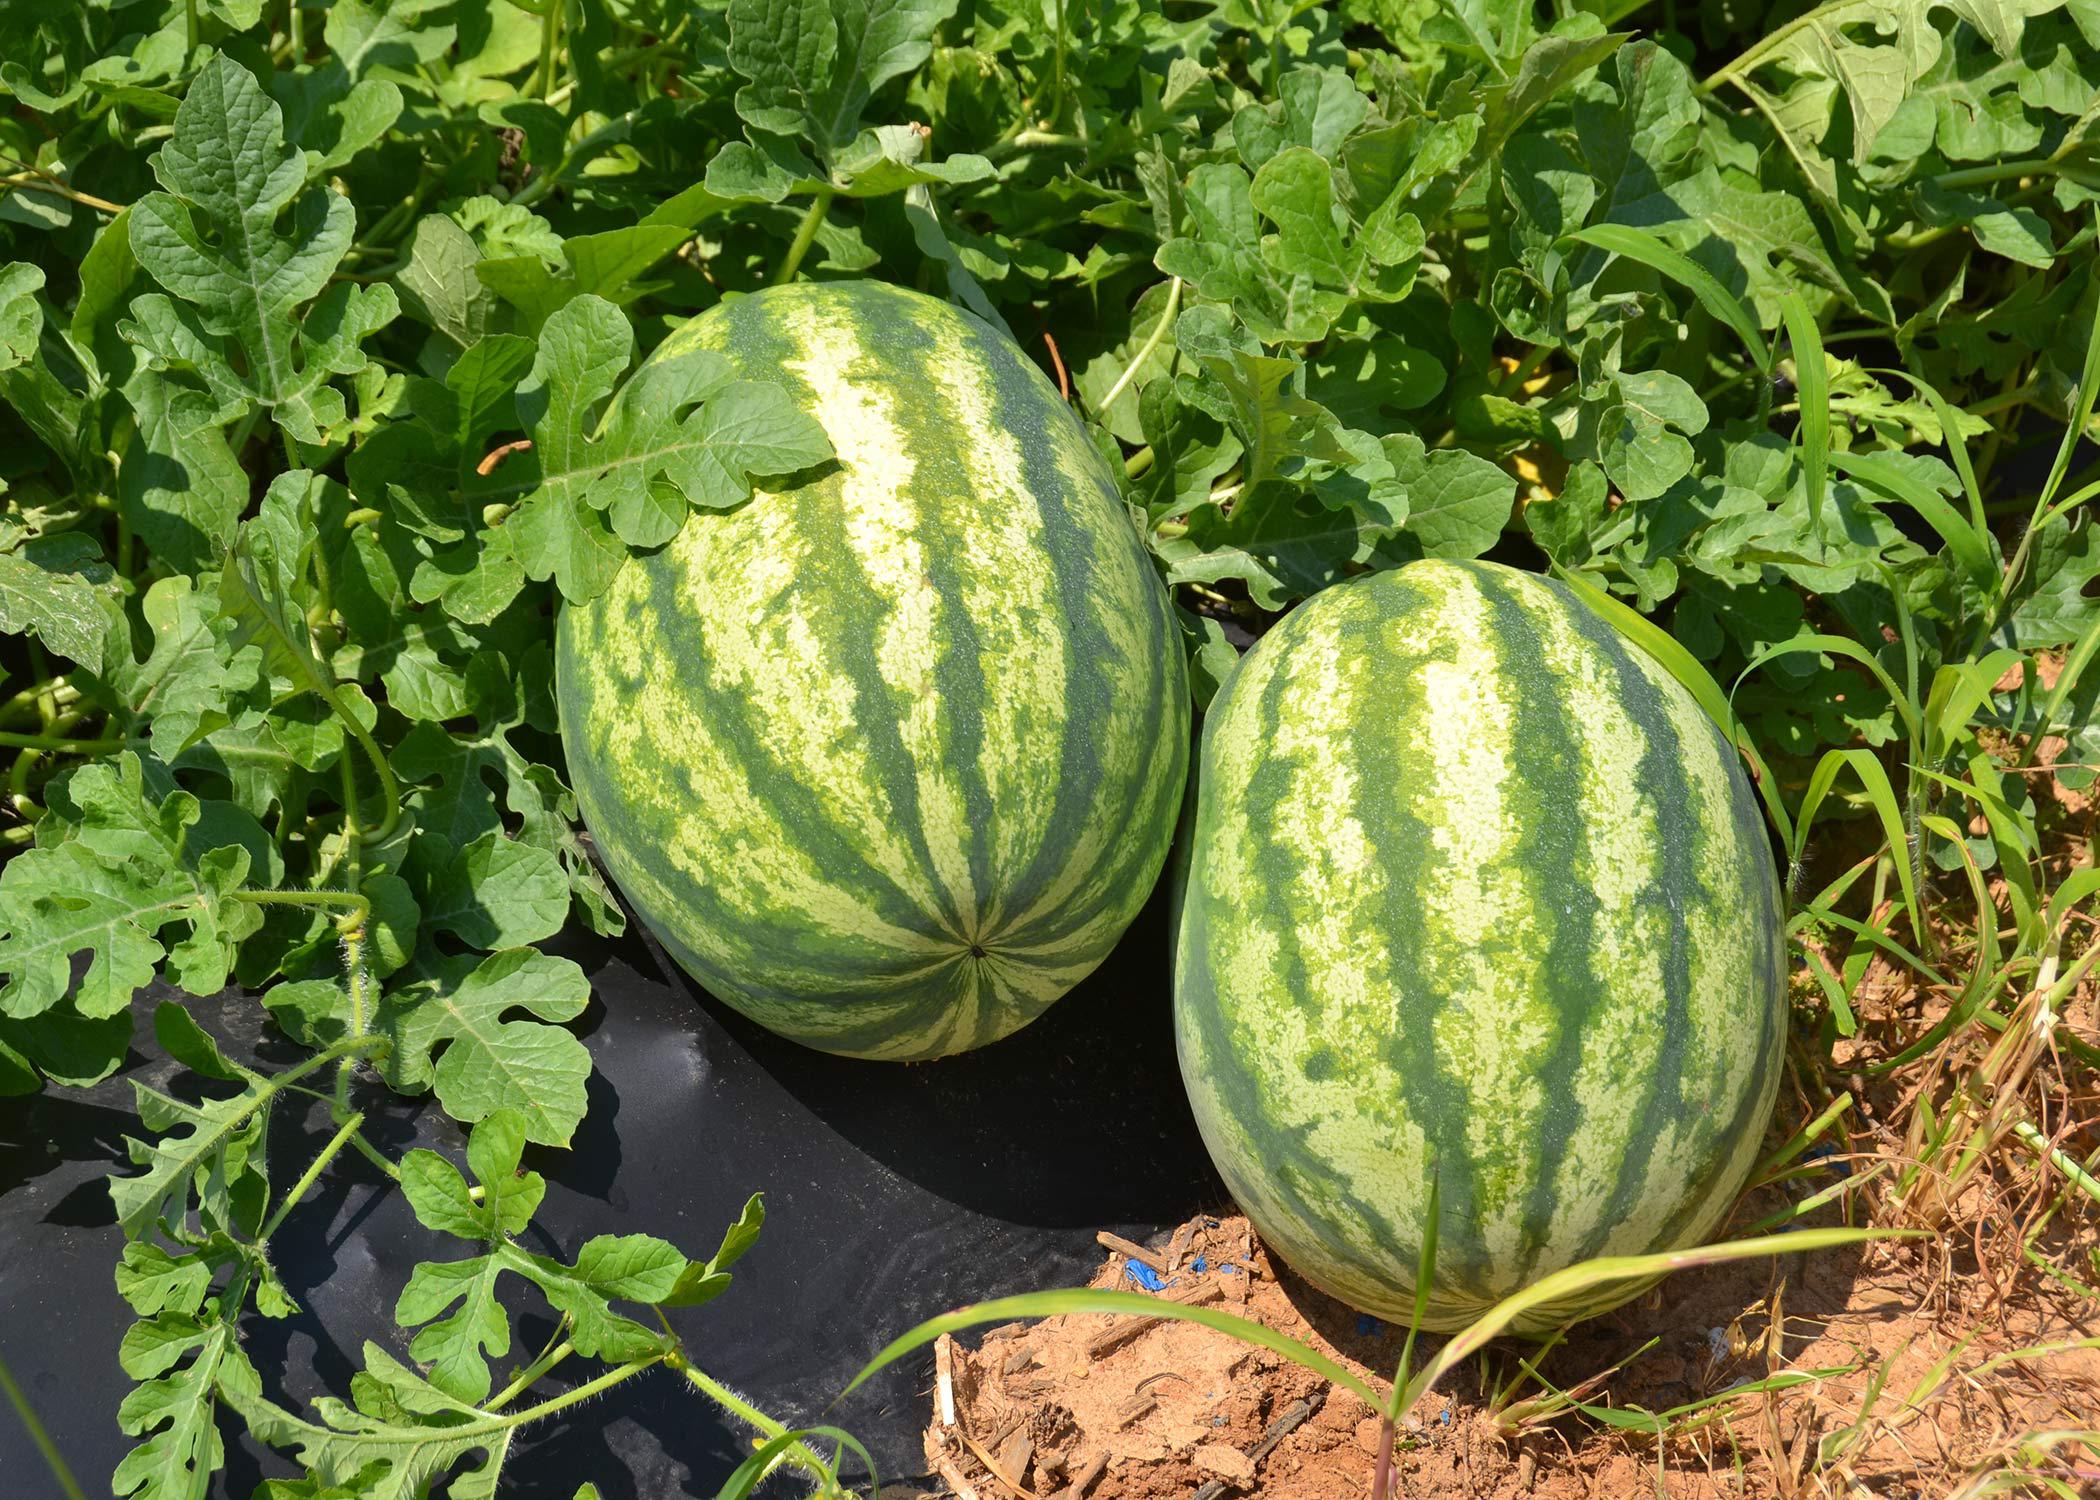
[(1144, 1276), (1199, 1264), (1447, 1416), (1369, 1327)]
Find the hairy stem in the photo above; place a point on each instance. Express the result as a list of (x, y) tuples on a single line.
[(565, 1400), (744, 1411), (548, 1358), (312, 1174)]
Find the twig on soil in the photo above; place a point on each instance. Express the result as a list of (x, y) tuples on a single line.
[(1133, 1250), (1294, 1416), (1011, 1484), (1084, 1478), (1106, 1343), (952, 1477)]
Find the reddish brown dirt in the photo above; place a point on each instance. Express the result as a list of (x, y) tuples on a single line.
[(1178, 1407)]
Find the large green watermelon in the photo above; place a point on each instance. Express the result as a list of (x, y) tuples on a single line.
[(888, 759), (1476, 889)]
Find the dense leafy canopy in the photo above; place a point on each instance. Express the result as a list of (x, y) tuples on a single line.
[(319, 330)]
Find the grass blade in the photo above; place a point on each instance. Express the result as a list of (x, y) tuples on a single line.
[(1845, 646), (1135, 1304), (1613, 1269), (2081, 411), (2075, 662), (1957, 445), (760, 1464), (1812, 392), (1648, 248), (1882, 795)]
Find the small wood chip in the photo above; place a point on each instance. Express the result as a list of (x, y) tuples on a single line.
[(1108, 1341), (953, 1478), (1085, 1478), (1006, 1481), (944, 1378), (1178, 1247), (1018, 1361), (1131, 1410), (1014, 1454), (1132, 1249)]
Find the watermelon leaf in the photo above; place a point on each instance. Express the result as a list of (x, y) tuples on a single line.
[(451, 1032), (212, 240), (591, 487)]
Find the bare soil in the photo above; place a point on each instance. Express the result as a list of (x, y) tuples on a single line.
[(1066, 1408)]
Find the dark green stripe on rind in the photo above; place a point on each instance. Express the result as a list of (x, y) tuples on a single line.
[(1560, 984), (923, 702)]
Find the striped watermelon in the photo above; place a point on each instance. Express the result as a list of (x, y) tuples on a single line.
[(888, 759), (1475, 887)]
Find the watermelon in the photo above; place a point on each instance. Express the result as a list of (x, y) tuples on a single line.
[(887, 758), (1476, 890)]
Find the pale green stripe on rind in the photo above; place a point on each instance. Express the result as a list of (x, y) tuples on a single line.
[(923, 699), (1474, 884)]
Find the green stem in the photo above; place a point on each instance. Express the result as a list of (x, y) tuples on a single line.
[(1754, 55), (313, 1173), (60, 742), (295, 28), (1138, 462), (374, 1155), (1527, 367), (1159, 331), (1057, 69), (1997, 172), (743, 1410), (805, 233), (550, 29), (123, 529), (2057, 1157), (52, 1457), (562, 1402), (547, 1360), (349, 900), (55, 690)]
